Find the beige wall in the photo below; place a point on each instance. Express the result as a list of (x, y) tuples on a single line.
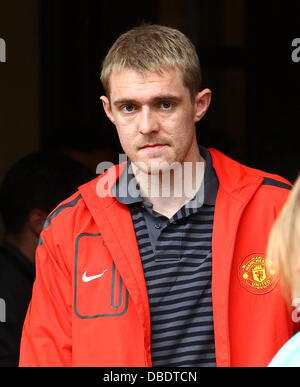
[(19, 81)]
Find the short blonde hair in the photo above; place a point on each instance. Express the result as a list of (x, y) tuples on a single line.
[(153, 48), (284, 241)]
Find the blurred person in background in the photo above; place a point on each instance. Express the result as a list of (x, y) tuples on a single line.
[(284, 251), (31, 189)]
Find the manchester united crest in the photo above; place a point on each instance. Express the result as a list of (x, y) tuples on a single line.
[(257, 274)]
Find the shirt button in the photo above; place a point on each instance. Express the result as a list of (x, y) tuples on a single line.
[(157, 226)]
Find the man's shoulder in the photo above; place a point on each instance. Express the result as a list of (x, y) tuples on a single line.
[(234, 173), (14, 269), (84, 200), (72, 203), (60, 221)]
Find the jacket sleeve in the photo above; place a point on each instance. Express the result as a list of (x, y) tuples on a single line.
[(46, 337)]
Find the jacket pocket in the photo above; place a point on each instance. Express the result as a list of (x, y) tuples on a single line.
[(99, 289)]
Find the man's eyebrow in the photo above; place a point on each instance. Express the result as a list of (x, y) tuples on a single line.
[(124, 102), (167, 97), (163, 97)]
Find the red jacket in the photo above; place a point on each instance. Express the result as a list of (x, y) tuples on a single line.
[(76, 319)]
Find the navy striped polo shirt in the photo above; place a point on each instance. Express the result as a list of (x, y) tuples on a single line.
[(176, 255)]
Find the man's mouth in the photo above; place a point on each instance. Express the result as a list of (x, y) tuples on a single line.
[(153, 147)]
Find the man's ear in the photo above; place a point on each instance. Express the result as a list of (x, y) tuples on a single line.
[(107, 108), (202, 102), (36, 220)]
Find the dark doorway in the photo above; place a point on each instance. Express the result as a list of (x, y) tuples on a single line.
[(245, 51)]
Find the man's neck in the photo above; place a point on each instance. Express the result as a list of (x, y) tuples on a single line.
[(171, 189)]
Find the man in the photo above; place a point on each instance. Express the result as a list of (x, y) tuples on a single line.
[(144, 278), (32, 187)]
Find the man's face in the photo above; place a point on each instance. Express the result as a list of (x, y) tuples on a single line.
[(154, 116)]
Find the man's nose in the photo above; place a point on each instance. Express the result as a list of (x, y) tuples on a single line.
[(148, 122)]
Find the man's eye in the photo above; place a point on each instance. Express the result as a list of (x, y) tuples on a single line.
[(166, 105), (128, 108)]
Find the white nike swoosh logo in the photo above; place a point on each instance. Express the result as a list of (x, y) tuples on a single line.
[(85, 278)]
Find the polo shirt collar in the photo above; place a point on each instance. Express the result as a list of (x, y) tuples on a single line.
[(126, 189)]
